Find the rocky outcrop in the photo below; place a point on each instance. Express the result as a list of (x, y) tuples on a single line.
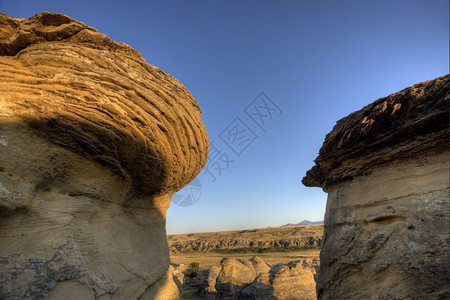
[(94, 141), (208, 245), (259, 265), (386, 171), (233, 274), (294, 280), (210, 280), (252, 279)]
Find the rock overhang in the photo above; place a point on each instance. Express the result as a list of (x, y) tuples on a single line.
[(94, 141), (82, 91), (393, 127)]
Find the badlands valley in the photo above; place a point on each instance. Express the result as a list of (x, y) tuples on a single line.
[(95, 141), (250, 264)]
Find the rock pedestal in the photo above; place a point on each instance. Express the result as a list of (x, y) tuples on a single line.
[(94, 142), (386, 171)]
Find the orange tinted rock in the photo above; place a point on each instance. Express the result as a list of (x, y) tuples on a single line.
[(94, 141)]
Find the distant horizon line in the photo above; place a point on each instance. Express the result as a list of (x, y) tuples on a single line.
[(285, 225)]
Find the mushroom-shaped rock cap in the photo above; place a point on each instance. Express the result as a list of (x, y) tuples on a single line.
[(394, 127), (100, 99)]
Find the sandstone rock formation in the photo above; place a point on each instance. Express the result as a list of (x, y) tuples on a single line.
[(259, 265), (210, 280), (94, 141), (178, 275), (252, 279), (233, 274), (294, 280), (386, 171)]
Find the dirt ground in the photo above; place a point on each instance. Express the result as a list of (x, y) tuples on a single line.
[(207, 260)]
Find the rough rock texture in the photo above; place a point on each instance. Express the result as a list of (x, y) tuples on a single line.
[(386, 171), (259, 265), (94, 141), (294, 280), (210, 280), (234, 273), (178, 275), (253, 279)]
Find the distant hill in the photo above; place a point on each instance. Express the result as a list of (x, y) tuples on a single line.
[(303, 223), (256, 240)]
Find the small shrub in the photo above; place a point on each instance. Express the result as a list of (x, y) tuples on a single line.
[(191, 270), (193, 265)]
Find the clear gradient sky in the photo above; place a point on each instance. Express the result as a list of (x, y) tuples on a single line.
[(318, 61)]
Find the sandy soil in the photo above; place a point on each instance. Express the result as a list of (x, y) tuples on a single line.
[(207, 260), (259, 234)]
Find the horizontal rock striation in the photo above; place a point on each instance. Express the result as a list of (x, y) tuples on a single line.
[(386, 171), (410, 122), (94, 142), (101, 100)]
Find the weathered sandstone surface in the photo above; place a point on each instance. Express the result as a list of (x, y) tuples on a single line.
[(386, 171), (233, 274), (251, 279), (294, 280), (94, 141)]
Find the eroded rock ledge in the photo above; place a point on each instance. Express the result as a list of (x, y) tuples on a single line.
[(386, 171), (410, 122), (94, 141)]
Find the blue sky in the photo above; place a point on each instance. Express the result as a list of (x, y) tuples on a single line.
[(317, 61)]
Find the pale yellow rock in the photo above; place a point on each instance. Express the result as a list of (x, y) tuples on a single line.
[(233, 274), (165, 289), (294, 280), (392, 223)]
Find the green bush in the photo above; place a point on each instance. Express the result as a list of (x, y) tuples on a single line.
[(191, 270), (193, 265)]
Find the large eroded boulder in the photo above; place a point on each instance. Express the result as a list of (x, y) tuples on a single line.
[(94, 141), (233, 274), (386, 171), (294, 280)]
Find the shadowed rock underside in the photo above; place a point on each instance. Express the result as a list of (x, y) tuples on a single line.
[(398, 126)]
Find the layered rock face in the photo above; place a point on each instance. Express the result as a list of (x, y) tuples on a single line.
[(386, 171), (94, 141)]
